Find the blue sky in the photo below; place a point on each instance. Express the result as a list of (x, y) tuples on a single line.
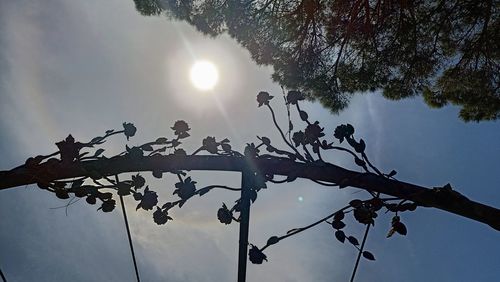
[(83, 67)]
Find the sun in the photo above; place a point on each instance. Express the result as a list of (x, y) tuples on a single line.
[(204, 75)]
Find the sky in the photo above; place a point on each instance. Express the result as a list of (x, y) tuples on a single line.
[(83, 67)]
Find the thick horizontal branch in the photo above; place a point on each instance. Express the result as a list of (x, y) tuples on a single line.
[(443, 198)]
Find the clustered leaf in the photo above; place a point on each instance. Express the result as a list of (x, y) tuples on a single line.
[(263, 98), (313, 132), (251, 150), (69, 149), (138, 181), (181, 129), (293, 97), (148, 200), (108, 206), (134, 152), (129, 129), (224, 215), (256, 256), (160, 216), (397, 226), (210, 145), (123, 188), (185, 188), (343, 131)]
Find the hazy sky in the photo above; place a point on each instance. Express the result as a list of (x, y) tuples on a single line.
[(83, 67)]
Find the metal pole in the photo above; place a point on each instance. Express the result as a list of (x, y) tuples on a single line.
[(246, 178)]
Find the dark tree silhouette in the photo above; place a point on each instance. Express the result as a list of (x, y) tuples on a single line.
[(81, 170), (447, 51)]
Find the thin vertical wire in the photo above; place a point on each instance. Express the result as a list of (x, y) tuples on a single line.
[(360, 252), (128, 234), (361, 248)]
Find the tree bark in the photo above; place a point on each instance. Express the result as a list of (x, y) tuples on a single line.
[(442, 198)]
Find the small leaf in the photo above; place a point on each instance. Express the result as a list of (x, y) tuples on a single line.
[(105, 196), (359, 162), (391, 232), (395, 219), (392, 173), (356, 203), (340, 235), (369, 256), (360, 147), (157, 173), (338, 216), (96, 139), (410, 206), (266, 141), (98, 152), (273, 240), (293, 230), (161, 140), (353, 240), (303, 115), (400, 228), (338, 224), (91, 200), (147, 147), (80, 192), (167, 206), (62, 194), (203, 191), (77, 183), (253, 195)]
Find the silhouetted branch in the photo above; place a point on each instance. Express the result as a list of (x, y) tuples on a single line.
[(441, 198)]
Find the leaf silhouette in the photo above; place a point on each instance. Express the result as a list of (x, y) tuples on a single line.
[(272, 240), (340, 235), (256, 256), (353, 240), (129, 129), (368, 255), (263, 98)]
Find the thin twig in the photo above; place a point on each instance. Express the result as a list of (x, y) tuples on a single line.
[(298, 230), (3, 277), (128, 234), (299, 156)]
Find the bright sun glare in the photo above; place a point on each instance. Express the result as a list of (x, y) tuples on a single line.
[(204, 75)]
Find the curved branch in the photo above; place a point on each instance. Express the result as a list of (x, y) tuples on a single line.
[(442, 198)]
